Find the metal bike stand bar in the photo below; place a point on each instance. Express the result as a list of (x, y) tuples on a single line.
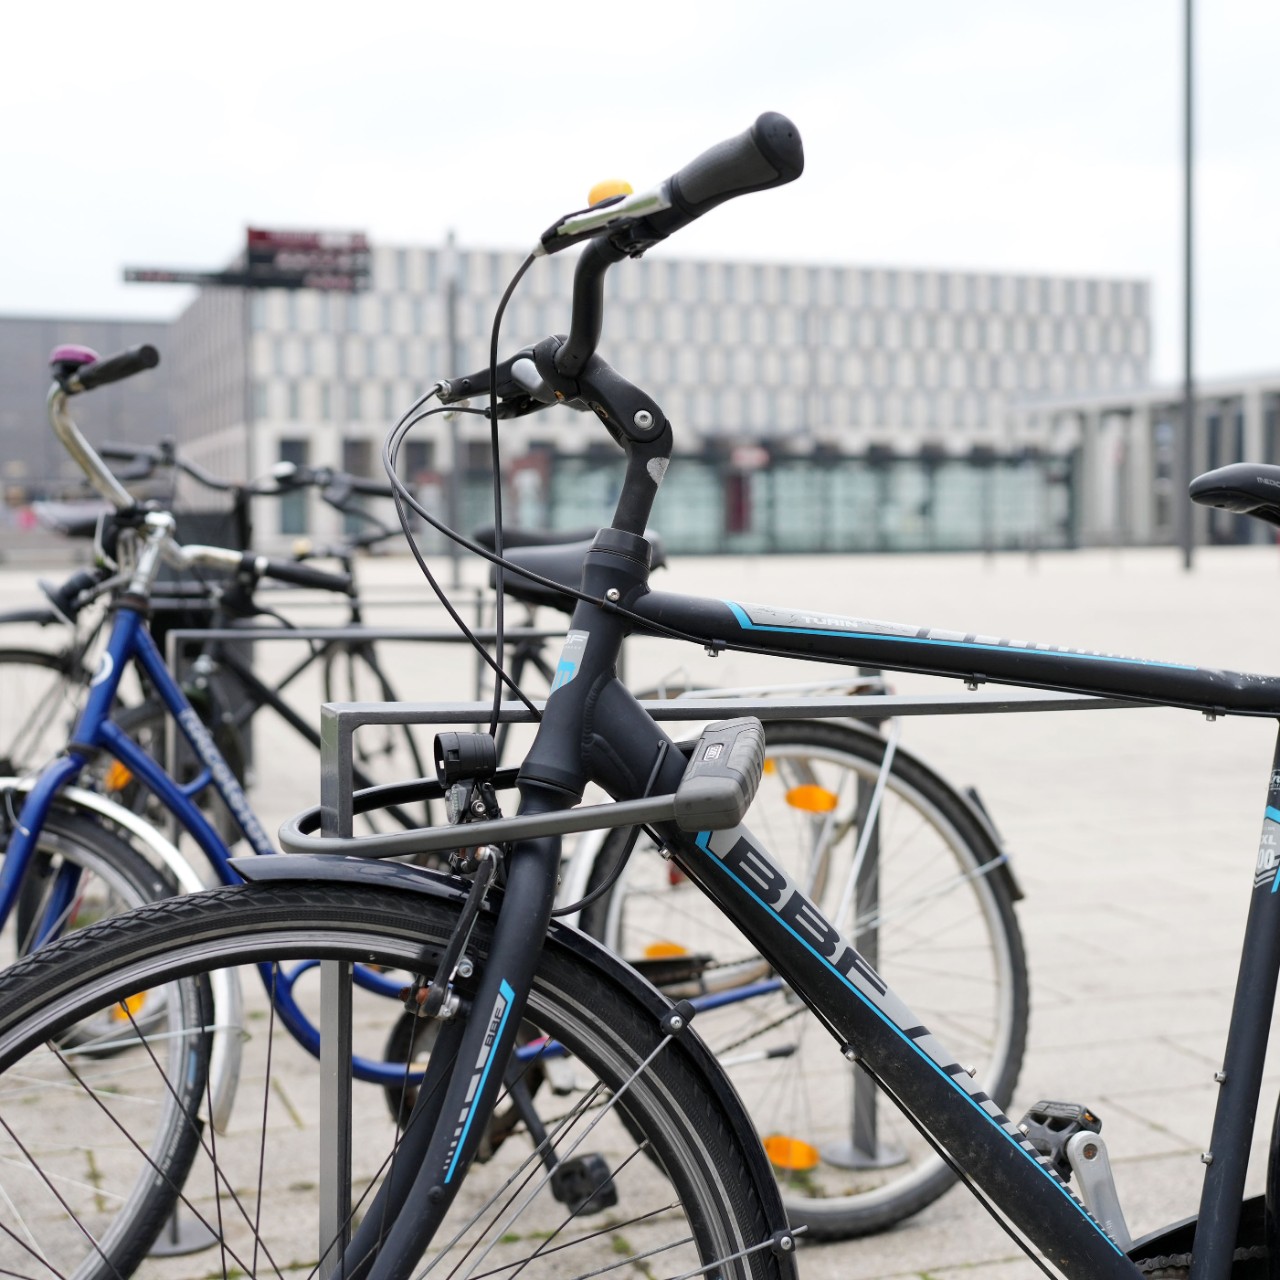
[(362, 632), (335, 1108), (340, 720), (335, 1087)]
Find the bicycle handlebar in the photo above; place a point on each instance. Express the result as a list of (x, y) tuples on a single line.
[(249, 562), (298, 575), (340, 484), (768, 154), (98, 373), (146, 458)]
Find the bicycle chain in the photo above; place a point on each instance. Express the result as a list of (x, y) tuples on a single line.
[(1174, 1266)]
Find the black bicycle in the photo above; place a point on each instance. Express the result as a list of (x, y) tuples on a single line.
[(568, 1120)]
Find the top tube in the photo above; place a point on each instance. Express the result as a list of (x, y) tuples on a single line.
[(976, 658)]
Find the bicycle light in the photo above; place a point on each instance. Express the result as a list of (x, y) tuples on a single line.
[(464, 755)]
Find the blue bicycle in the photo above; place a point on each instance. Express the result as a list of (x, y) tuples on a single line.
[(840, 800), (69, 859)]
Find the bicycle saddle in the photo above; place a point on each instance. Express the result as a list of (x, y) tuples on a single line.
[(1247, 488), (514, 537), (561, 563)]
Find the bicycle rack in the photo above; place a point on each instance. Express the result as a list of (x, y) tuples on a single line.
[(339, 722)]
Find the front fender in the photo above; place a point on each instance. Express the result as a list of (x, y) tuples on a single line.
[(224, 1068), (405, 878)]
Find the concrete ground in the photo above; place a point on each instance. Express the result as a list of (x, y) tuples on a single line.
[(1133, 833)]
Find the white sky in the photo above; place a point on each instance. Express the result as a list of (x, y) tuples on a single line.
[(1034, 135)]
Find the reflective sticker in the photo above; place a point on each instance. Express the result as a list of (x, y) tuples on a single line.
[(763, 617), (106, 665), (575, 645), (1268, 852)]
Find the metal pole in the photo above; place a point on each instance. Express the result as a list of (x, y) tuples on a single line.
[(246, 340), (1188, 451), (454, 503)]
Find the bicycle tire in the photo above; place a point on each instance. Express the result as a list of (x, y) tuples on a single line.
[(652, 1085), (929, 838), (40, 692), (112, 878)]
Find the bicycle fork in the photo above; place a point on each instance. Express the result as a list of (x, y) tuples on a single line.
[(465, 1074)]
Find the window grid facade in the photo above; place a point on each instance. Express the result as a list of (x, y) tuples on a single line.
[(800, 357)]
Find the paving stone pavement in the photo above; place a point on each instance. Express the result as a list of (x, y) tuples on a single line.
[(1133, 833)]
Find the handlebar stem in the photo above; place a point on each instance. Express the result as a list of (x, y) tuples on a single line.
[(631, 417), (157, 546)]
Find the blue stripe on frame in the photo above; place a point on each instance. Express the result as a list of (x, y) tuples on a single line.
[(747, 625), (704, 842)]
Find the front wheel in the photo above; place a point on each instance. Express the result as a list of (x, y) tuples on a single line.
[(609, 1151), (925, 899)]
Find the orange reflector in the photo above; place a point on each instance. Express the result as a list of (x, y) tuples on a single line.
[(117, 777), (664, 951), (129, 1005), (811, 798), (606, 190), (790, 1153), (770, 767)]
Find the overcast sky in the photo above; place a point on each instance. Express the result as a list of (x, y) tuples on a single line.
[(1024, 135)]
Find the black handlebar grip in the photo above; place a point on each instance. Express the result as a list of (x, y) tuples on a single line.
[(300, 575), (113, 368), (140, 453), (769, 154), (65, 598), (373, 488)]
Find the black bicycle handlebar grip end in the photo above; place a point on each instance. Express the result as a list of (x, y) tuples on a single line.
[(65, 597), (298, 575), (769, 154), (114, 368), (372, 488)]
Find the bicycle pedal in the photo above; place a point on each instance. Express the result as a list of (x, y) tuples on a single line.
[(584, 1184), (1049, 1126)]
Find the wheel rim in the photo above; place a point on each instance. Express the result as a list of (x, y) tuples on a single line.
[(942, 946), (264, 1188)]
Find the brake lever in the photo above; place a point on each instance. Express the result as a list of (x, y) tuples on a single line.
[(517, 406)]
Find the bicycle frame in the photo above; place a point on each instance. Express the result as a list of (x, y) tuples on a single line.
[(826, 969), (593, 730), (94, 733)]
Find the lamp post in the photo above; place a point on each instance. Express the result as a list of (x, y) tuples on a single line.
[(454, 495), (1186, 525)]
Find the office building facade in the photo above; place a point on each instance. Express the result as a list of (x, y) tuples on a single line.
[(817, 407)]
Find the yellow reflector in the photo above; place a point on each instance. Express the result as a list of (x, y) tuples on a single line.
[(605, 190), (118, 777), (664, 951), (811, 798), (790, 1153), (129, 1005)]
